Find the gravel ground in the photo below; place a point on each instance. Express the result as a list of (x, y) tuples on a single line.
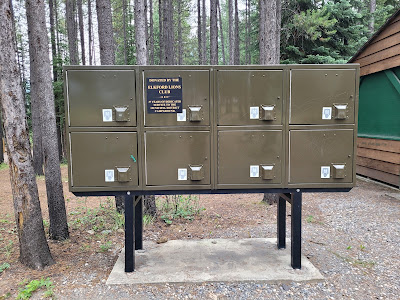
[(352, 238)]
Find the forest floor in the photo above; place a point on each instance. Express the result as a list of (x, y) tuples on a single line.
[(352, 238)]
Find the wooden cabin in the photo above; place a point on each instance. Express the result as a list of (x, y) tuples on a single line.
[(378, 145)]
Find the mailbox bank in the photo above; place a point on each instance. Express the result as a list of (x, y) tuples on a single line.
[(137, 130)]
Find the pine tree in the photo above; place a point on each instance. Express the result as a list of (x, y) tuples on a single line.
[(34, 250)]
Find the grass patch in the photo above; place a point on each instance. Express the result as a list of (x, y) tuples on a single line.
[(3, 166), (4, 266), (106, 246), (178, 207), (148, 220), (97, 219), (27, 291)]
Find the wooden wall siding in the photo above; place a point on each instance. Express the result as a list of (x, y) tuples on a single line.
[(383, 51), (379, 159)]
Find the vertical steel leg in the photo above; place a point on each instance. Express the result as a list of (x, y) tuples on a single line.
[(129, 234), (296, 230), (281, 230), (139, 223)]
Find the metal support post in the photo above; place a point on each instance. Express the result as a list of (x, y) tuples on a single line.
[(129, 234), (296, 230), (281, 230), (139, 222)]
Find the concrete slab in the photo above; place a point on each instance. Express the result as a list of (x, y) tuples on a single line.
[(216, 260)]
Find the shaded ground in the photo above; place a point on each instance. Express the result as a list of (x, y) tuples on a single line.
[(352, 238)]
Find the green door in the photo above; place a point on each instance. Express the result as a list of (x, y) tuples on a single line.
[(322, 96), (178, 158), (321, 156), (250, 157), (101, 98), (249, 97), (104, 159)]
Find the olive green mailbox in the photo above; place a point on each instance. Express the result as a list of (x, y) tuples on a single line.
[(137, 130), (147, 129)]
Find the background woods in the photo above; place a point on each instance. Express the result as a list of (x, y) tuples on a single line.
[(45, 35)]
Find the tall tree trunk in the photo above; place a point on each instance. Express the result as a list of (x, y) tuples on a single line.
[(278, 30), (222, 33), (270, 51), (34, 250), (81, 32), (124, 29), (213, 33), (231, 32), (140, 36), (248, 54), (151, 33), (1, 140), (180, 46), (53, 40), (90, 32), (43, 88), (146, 22), (372, 8), (57, 31), (106, 40), (200, 44), (168, 34), (203, 33), (161, 31), (55, 75), (70, 10), (261, 32), (237, 53), (268, 32), (36, 123)]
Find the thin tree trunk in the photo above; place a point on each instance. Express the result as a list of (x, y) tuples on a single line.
[(106, 40), (160, 32), (203, 33), (57, 31), (36, 124), (168, 34), (124, 29), (34, 250), (55, 75), (90, 32), (42, 86), (222, 33), (200, 44), (261, 32), (237, 53), (146, 22), (213, 33), (268, 33), (150, 207), (180, 47), (1, 140), (372, 8), (278, 30), (53, 40), (140, 36), (81, 32), (70, 10), (151, 33), (231, 34), (248, 54)]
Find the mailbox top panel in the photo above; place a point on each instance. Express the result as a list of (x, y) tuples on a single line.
[(322, 96), (249, 97), (101, 98)]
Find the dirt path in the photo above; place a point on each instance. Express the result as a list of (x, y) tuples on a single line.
[(352, 238)]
